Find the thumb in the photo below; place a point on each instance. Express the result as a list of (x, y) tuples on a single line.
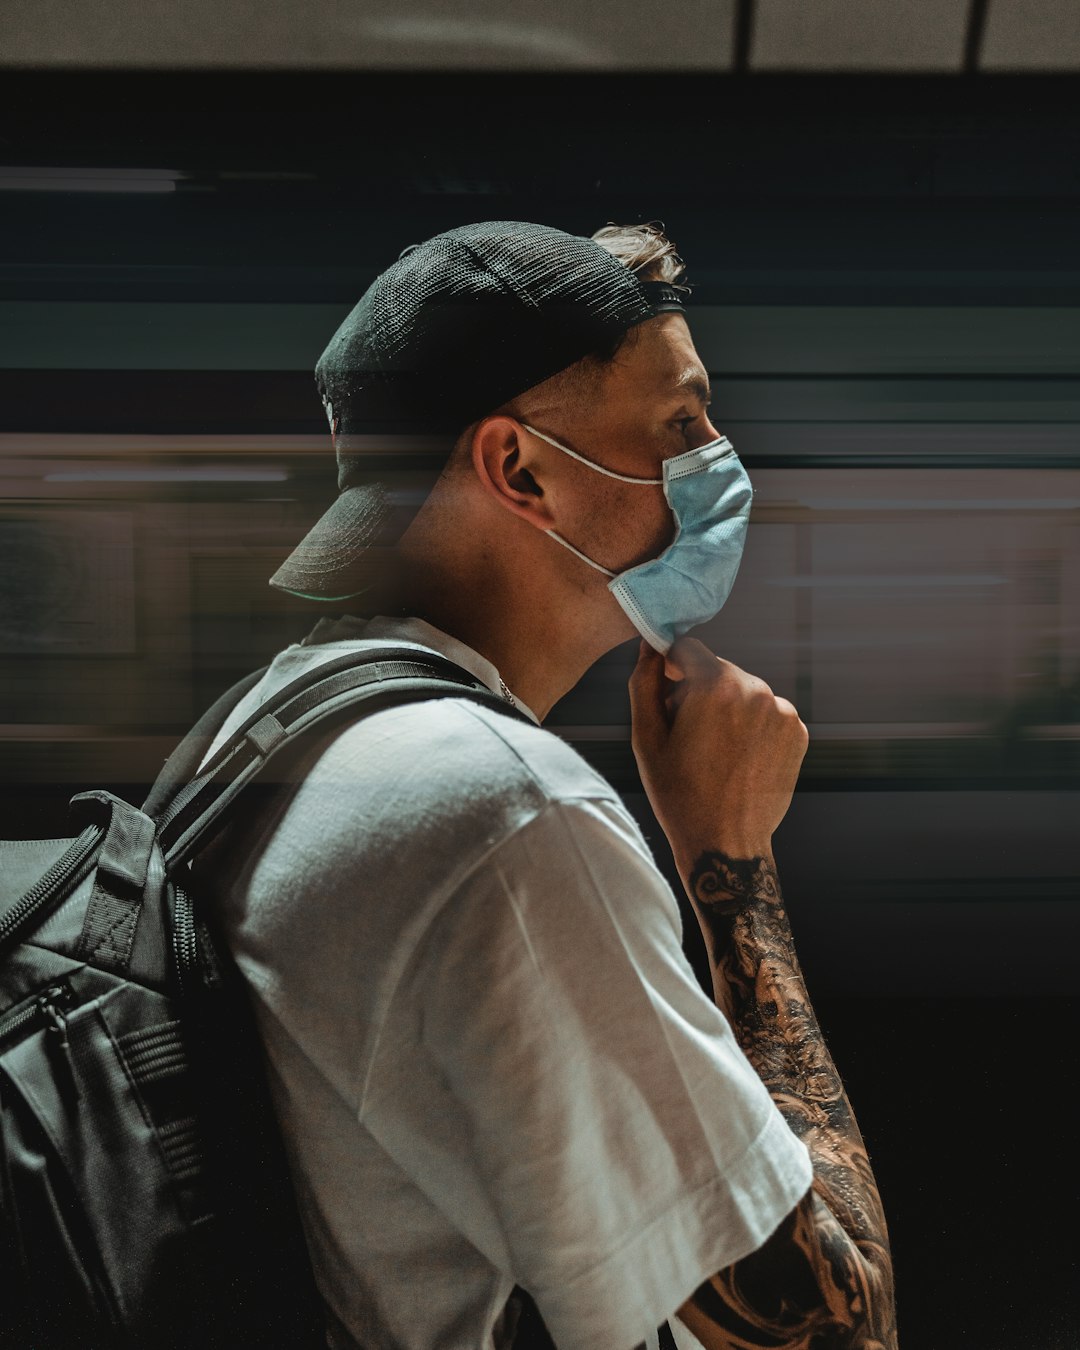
[(648, 711), (692, 659)]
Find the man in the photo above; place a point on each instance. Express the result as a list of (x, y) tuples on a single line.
[(493, 1065)]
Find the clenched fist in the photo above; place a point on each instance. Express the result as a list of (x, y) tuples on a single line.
[(717, 751)]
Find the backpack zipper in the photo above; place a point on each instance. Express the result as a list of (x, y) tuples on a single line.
[(48, 1005), (65, 867), (185, 949), (18, 1017), (51, 1006)]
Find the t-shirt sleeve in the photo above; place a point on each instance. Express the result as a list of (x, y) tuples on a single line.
[(626, 1146)]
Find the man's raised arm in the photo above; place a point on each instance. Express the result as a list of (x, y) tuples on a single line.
[(719, 755)]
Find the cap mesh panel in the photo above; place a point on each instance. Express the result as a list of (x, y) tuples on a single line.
[(470, 318)]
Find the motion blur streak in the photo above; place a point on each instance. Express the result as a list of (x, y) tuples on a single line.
[(925, 623)]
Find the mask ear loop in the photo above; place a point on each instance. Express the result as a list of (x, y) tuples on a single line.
[(567, 544), (622, 477)]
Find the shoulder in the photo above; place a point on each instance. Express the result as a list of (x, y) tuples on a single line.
[(441, 783), (422, 791), (460, 752), (466, 745)]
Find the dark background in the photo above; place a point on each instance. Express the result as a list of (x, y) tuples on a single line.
[(887, 270)]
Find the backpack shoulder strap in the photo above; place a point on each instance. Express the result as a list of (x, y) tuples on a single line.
[(181, 765), (184, 807), (335, 691)]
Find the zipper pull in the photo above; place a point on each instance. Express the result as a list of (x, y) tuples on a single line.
[(50, 1006)]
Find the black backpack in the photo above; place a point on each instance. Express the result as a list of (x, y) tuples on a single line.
[(144, 1195)]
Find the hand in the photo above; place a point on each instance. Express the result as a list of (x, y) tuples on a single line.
[(718, 752)]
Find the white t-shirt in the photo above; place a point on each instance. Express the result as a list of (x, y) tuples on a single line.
[(491, 1058)]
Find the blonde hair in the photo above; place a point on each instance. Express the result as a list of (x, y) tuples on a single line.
[(644, 249)]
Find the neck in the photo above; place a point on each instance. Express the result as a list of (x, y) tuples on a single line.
[(539, 639)]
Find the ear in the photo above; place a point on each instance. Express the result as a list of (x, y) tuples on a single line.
[(508, 467)]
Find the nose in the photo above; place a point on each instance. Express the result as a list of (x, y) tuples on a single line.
[(707, 433)]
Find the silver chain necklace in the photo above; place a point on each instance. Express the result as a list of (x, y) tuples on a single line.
[(505, 692)]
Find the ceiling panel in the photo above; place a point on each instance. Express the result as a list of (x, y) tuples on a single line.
[(539, 35), (1032, 35), (900, 35), (373, 35)]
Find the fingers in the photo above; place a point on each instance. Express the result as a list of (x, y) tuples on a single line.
[(699, 665), (692, 658), (649, 725), (660, 684)]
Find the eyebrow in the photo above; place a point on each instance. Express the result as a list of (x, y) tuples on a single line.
[(693, 381)]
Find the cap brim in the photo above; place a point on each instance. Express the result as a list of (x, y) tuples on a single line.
[(324, 565)]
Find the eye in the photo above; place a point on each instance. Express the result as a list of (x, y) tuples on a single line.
[(685, 423)]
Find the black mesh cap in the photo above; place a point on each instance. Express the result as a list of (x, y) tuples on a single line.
[(456, 327)]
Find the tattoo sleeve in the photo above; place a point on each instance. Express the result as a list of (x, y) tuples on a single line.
[(824, 1279)]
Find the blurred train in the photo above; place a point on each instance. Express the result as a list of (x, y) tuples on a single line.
[(914, 590)]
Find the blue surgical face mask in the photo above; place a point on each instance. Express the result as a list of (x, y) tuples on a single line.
[(710, 495)]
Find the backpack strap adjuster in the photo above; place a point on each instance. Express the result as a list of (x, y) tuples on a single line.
[(266, 734), (119, 879)]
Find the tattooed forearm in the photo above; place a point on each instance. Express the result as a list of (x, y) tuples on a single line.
[(759, 985), (838, 1236)]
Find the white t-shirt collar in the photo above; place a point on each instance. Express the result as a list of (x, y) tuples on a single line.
[(415, 632)]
